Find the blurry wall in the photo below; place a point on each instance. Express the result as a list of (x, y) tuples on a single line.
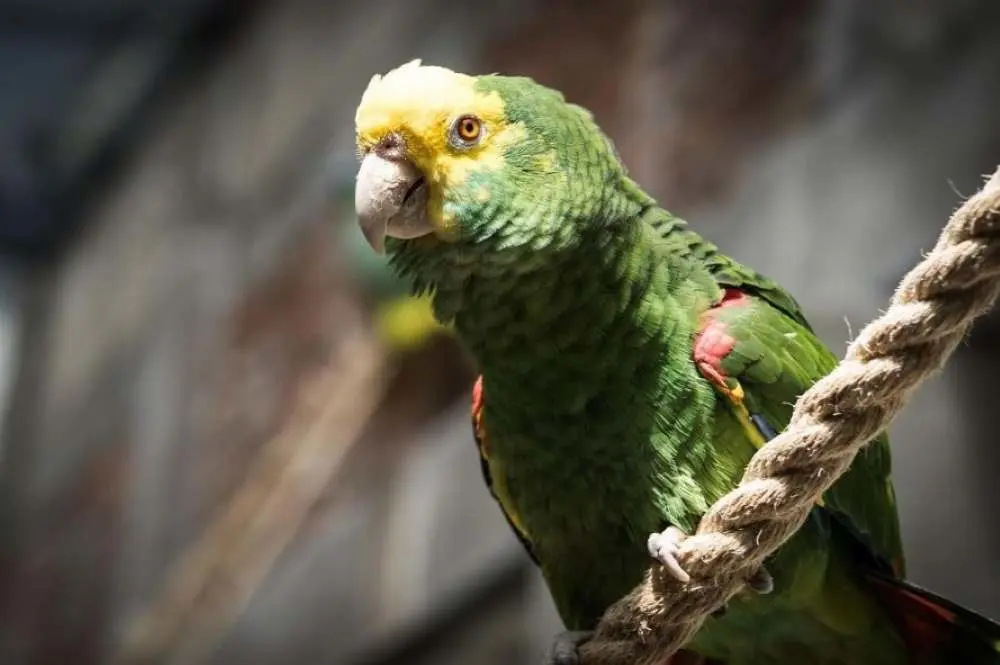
[(189, 342)]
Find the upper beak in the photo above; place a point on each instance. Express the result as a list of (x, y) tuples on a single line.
[(390, 198)]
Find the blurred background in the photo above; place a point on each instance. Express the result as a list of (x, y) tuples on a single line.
[(227, 437)]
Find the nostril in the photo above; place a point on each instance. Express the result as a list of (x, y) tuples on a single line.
[(391, 146)]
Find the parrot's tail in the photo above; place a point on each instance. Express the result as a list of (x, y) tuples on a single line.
[(937, 631)]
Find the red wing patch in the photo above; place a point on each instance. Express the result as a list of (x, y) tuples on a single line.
[(477, 416), (477, 395), (713, 343), (497, 490)]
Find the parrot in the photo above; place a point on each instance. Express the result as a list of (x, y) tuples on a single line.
[(627, 370)]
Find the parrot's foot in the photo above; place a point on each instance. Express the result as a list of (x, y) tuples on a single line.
[(761, 582), (564, 649), (663, 547)]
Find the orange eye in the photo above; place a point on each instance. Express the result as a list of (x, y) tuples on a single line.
[(468, 129)]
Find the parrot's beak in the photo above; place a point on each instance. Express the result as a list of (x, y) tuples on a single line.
[(390, 198)]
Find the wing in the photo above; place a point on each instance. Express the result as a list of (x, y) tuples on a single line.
[(680, 240), (760, 356), (496, 489), (759, 351)]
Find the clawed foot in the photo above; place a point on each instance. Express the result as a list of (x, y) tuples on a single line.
[(664, 546), (761, 582), (564, 649)]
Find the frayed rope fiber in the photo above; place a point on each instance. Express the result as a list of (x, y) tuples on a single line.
[(928, 317)]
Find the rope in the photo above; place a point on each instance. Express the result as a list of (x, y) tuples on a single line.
[(928, 317)]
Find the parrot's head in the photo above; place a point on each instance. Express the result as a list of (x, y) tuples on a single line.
[(465, 173)]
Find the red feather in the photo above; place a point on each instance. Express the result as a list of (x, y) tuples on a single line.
[(713, 342), (477, 417), (933, 626)]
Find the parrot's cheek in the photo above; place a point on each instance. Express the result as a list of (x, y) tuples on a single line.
[(390, 198)]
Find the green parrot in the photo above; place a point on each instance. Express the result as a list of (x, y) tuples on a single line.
[(628, 372)]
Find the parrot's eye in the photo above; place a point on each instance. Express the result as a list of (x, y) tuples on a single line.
[(467, 131)]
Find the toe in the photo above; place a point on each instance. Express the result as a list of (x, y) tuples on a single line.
[(663, 547), (761, 582), (565, 647), (675, 570), (654, 544)]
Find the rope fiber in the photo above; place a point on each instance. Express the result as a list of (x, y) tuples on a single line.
[(929, 315)]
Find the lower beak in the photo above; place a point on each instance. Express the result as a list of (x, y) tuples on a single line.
[(390, 198)]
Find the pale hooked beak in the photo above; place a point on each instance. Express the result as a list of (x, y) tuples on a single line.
[(390, 198)]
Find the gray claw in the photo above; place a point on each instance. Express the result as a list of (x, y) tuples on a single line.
[(761, 582), (564, 649), (663, 547)]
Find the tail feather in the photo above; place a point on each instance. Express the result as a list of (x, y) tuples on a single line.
[(935, 629)]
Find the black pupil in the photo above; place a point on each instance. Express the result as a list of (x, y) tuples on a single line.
[(468, 128)]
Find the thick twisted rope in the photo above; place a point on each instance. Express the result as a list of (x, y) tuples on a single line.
[(928, 317)]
